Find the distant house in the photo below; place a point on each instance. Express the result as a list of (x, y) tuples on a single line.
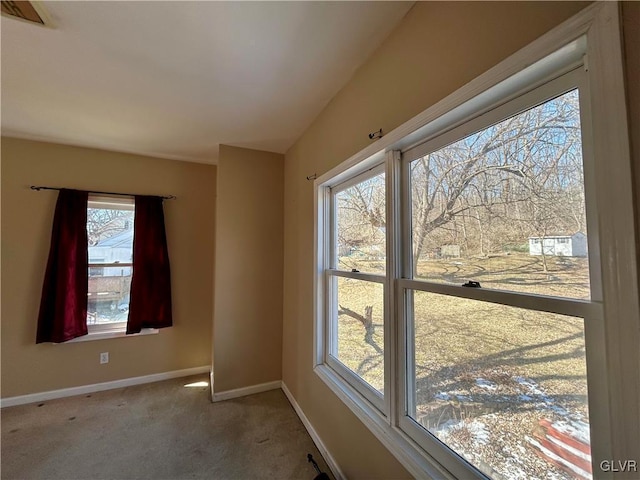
[(115, 249), (450, 251), (559, 245), (109, 285)]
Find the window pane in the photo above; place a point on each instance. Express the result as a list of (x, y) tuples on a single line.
[(110, 242), (109, 296), (360, 225), (503, 387), (360, 329), (505, 206)]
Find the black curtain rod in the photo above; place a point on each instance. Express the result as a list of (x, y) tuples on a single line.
[(164, 197)]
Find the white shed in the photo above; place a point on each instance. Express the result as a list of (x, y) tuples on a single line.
[(559, 245)]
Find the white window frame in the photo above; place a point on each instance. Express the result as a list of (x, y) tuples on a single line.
[(333, 272), (591, 311), (590, 40), (113, 329)]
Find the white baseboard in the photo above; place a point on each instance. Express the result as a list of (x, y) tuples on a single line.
[(97, 387), (335, 469), (241, 392)]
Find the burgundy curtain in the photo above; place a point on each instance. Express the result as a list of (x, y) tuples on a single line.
[(150, 304), (63, 306)]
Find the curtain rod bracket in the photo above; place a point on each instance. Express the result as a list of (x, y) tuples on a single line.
[(375, 135)]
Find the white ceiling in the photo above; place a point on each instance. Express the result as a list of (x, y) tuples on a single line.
[(176, 79)]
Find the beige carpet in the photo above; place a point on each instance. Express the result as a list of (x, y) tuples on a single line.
[(160, 430)]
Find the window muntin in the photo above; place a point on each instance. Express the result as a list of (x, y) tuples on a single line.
[(503, 387), (499, 205), (110, 236)]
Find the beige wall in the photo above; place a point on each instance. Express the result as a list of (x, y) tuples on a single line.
[(438, 47), (248, 296), (26, 231)]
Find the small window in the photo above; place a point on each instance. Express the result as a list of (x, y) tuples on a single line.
[(110, 237)]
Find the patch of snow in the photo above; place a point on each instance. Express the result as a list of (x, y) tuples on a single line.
[(441, 396), (544, 401), (482, 383), (530, 385), (476, 428), (515, 465), (479, 432), (556, 408), (576, 428)]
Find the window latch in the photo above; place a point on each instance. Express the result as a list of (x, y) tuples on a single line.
[(472, 284), (353, 270)]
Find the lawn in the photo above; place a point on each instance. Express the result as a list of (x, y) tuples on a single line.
[(486, 375)]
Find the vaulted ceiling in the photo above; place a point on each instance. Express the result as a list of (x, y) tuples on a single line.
[(177, 79)]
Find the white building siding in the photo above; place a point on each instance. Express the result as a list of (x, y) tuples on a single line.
[(559, 246)]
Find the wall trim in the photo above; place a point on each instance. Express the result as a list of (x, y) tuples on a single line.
[(331, 462), (244, 391), (98, 387)]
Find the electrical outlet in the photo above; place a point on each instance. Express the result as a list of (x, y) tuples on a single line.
[(104, 357)]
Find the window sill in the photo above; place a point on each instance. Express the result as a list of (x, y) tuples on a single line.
[(415, 460), (103, 335)]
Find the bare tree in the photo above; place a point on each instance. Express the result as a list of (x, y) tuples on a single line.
[(361, 220), (367, 322), (103, 223), (522, 175)]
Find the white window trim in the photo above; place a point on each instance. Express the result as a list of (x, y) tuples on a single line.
[(118, 332), (599, 24), (112, 329)]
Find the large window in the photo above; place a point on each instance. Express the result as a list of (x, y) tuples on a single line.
[(460, 309), (110, 244), (504, 387)]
